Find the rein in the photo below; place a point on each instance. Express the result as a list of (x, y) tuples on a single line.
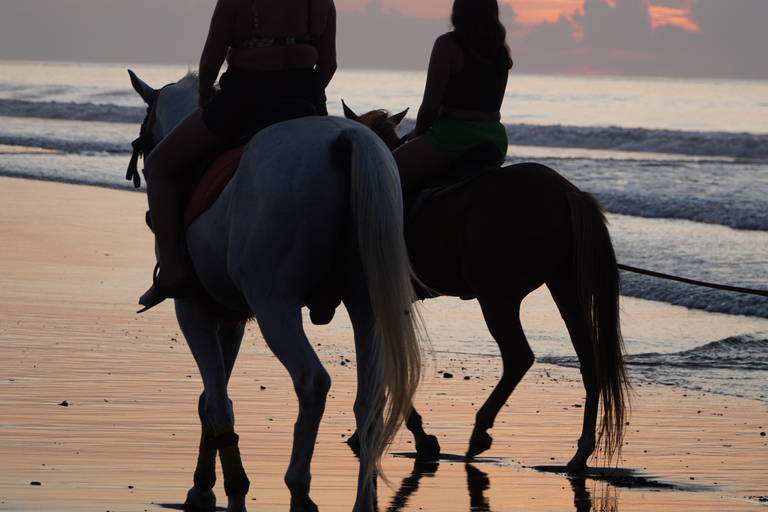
[(142, 146), (402, 140)]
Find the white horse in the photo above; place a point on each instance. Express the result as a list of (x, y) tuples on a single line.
[(284, 221)]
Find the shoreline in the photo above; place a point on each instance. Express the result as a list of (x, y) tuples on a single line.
[(76, 258)]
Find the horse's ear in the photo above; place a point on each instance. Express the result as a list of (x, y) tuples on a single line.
[(348, 112), (398, 118), (146, 92)]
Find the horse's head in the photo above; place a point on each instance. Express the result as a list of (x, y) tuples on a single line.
[(381, 123), (166, 107)]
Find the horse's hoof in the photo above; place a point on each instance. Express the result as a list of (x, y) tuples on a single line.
[(428, 448), (236, 503), (305, 505), (354, 443), (200, 501), (478, 444), (577, 466)]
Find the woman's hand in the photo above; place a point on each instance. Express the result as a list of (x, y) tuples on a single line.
[(203, 96)]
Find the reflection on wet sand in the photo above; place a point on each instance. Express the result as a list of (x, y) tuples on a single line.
[(599, 496), (606, 497), (477, 483), (410, 484)]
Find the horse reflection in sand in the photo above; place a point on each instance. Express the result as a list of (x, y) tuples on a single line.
[(498, 238), (599, 495), (286, 219)]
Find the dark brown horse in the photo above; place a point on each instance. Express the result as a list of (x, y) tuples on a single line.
[(500, 237)]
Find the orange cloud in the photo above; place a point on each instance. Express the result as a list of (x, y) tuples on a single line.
[(436, 9), (529, 12), (533, 12), (677, 17)]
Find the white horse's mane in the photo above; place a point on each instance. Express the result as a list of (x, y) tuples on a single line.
[(190, 80), (180, 100)]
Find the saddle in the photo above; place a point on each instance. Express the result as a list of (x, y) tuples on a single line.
[(473, 164), (203, 185), (323, 300)]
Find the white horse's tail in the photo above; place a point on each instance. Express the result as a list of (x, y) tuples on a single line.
[(377, 210)]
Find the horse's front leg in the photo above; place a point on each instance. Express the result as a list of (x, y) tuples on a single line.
[(503, 321), (215, 349)]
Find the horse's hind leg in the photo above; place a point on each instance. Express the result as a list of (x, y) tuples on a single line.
[(281, 326), (564, 293), (502, 316), (215, 349), (427, 446)]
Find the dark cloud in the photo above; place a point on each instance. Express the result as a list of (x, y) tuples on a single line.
[(104, 30), (732, 42), (619, 40), (623, 27), (371, 39), (734, 30)]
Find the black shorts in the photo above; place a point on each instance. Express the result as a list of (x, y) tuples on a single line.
[(244, 94)]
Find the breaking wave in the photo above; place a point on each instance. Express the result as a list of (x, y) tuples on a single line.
[(737, 145), (736, 366)]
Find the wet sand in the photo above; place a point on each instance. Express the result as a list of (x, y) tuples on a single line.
[(74, 261)]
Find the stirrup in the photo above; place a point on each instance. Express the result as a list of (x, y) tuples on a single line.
[(157, 294)]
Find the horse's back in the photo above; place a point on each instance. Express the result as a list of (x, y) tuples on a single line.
[(507, 219)]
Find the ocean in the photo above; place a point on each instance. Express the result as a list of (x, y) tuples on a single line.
[(681, 166)]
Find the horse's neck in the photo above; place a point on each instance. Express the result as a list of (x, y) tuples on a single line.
[(384, 129), (175, 103)]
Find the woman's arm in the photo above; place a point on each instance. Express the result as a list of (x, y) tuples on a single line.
[(326, 46), (216, 46), (440, 65)]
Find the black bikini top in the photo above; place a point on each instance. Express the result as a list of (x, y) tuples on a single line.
[(477, 86), (263, 42)]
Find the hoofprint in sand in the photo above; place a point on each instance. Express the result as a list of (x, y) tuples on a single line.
[(98, 405)]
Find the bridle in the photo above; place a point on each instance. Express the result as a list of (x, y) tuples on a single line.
[(402, 140), (143, 145)]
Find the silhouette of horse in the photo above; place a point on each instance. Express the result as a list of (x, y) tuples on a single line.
[(310, 195), (498, 238)]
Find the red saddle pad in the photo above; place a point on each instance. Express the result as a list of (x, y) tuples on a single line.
[(212, 183)]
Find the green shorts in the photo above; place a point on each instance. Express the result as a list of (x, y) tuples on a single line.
[(455, 137)]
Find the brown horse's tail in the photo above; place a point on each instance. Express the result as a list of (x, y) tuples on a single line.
[(598, 283)]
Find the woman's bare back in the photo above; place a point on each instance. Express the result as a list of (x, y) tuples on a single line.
[(280, 19)]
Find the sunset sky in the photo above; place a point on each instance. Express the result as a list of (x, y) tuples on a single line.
[(686, 38), (533, 12)]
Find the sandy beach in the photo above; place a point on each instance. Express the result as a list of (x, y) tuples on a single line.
[(98, 404)]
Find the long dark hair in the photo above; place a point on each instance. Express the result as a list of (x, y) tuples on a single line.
[(476, 24)]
